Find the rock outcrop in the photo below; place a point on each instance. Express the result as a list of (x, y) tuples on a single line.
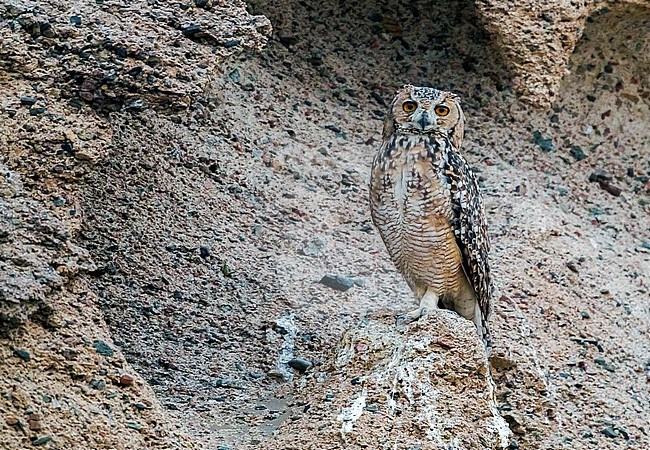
[(538, 38), (426, 386)]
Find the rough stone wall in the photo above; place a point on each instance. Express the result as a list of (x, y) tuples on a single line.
[(538, 38), (63, 68), (277, 156)]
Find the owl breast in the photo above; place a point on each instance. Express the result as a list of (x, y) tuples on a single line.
[(411, 207)]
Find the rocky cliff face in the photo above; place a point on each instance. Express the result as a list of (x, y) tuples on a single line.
[(177, 181), (538, 38)]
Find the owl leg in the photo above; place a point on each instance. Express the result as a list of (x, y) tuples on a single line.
[(466, 304), (428, 303)]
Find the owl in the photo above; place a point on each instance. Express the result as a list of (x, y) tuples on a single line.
[(426, 204)]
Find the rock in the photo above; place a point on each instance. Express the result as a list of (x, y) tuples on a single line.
[(600, 175), (28, 101), (333, 128), (614, 190), (301, 365), (610, 432), (36, 111), (313, 247), (12, 421), (229, 384), (126, 379), (205, 252), (337, 282), (577, 153), (22, 354), (231, 43), (256, 374), (573, 266), (103, 348), (546, 144), (537, 40), (411, 387), (98, 385), (41, 441), (378, 98), (603, 363), (35, 422), (191, 30)]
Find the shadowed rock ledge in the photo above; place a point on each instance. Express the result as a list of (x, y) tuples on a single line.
[(423, 386)]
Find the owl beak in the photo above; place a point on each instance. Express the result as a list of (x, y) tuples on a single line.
[(425, 120)]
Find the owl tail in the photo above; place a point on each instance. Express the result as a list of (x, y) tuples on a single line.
[(482, 328)]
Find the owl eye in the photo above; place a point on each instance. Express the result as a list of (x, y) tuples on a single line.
[(441, 110), (409, 106)]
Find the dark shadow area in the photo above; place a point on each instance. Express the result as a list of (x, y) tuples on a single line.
[(382, 45)]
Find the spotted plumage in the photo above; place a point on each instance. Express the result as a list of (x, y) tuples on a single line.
[(425, 202)]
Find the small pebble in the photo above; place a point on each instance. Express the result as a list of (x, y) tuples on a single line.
[(28, 101), (36, 111), (41, 441), (205, 252), (103, 348), (573, 266), (12, 421), (301, 365), (313, 247), (256, 374), (35, 425), (191, 30), (546, 144), (337, 282), (333, 128), (23, 354), (126, 379), (609, 432), (231, 43)]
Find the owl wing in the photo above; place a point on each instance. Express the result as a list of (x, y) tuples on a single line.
[(470, 227)]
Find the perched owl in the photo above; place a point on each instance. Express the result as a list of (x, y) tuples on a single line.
[(426, 203)]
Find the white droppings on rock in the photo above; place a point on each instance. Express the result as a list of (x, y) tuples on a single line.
[(350, 415)]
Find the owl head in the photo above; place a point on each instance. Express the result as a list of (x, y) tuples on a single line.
[(423, 110)]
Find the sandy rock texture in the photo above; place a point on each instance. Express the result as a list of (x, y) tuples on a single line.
[(538, 38), (61, 384), (224, 210), (425, 386), (64, 382)]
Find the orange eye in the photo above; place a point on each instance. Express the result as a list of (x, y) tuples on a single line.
[(409, 106), (441, 110)]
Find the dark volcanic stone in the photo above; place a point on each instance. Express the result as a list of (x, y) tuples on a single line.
[(609, 432), (23, 354), (205, 251), (27, 101), (337, 282), (546, 144), (103, 348), (231, 43), (301, 365), (577, 153), (191, 30)]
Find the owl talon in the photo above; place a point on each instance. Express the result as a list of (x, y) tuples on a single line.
[(411, 316)]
